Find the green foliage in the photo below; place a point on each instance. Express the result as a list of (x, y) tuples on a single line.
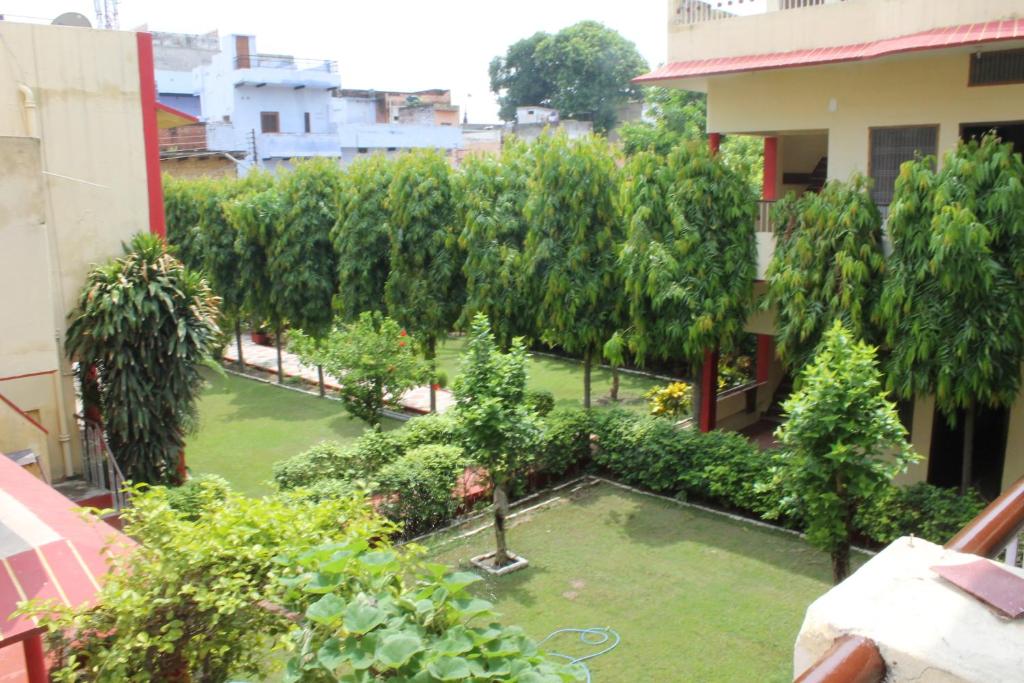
[(953, 302), (255, 217), (929, 512), (689, 256), (677, 116), (146, 324), (370, 615), (538, 402), (331, 460), (492, 196), (192, 498), (673, 400), (186, 601), (182, 202), (302, 263), (418, 489), (564, 443), (569, 250), (828, 265), (361, 236), (424, 291), (584, 71), (373, 360), (842, 444)]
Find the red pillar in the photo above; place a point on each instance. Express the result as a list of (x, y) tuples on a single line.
[(708, 391), (714, 142), (35, 659), (765, 356), (151, 134), (769, 185)]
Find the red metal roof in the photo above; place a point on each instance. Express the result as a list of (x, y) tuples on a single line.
[(950, 36), (47, 550)]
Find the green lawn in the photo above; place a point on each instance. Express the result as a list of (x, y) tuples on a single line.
[(695, 596), (563, 378), (246, 426)]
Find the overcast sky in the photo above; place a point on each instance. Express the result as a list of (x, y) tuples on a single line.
[(396, 45)]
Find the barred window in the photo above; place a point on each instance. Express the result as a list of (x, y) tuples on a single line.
[(997, 68), (890, 147)]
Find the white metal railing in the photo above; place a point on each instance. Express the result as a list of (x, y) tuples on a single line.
[(1012, 554), (699, 11), (100, 468), (764, 216)]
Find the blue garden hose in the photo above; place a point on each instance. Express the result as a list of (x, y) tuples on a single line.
[(596, 636)]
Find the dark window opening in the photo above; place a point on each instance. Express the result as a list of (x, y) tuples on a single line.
[(362, 150), (270, 122), (997, 68), (307, 122), (905, 411), (945, 461), (890, 147), (392, 149)]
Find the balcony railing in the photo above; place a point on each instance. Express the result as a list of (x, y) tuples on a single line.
[(267, 61), (100, 468), (699, 11), (994, 533)]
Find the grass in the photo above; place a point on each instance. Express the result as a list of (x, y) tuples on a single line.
[(563, 378), (694, 595), (246, 426)]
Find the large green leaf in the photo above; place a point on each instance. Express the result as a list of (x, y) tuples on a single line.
[(396, 649)]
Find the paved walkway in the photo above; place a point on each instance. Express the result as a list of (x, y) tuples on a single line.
[(265, 358)]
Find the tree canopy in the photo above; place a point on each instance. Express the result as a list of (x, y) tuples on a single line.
[(146, 323), (584, 71), (828, 265), (183, 199)]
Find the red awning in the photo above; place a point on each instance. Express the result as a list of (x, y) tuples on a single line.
[(951, 36), (47, 550)]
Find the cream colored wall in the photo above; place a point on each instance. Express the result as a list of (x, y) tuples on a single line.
[(87, 125), (17, 433), (845, 23), (923, 89)]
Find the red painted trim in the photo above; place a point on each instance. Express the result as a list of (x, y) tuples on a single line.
[(709, 391), (35, 659), (27, 374), (714, 142), (765, 356), (770, 189), (25, 415), (151, 134)]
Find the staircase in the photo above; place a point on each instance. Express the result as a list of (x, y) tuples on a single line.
[(101, 484)]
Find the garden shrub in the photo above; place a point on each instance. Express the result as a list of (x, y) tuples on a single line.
[(539, 402), (564, 441), (193, 497), (332, 460), (430, 429), (416, 489), (674, 400), (930, 512)]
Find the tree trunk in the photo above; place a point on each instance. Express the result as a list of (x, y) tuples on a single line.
[(614, 393), (501, 557), (967, 465), (280, 363), (587, 366), (238, 344), (320, 379), (840, 563), (431, 355)]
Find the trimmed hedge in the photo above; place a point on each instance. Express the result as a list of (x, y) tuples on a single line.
[(417, 489), (926, 511)]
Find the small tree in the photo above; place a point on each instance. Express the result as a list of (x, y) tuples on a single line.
[(425, 289), (372, 358), (494, 423), (842, 444), (953, 302), (360, 237), (569, 251), (492, 195), (828, 265), (183, 199), (146, 324)]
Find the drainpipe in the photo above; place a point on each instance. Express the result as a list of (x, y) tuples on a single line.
[(29, 105)]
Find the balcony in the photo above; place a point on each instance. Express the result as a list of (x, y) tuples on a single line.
[(266, 69), (699, 11), (297, 145)]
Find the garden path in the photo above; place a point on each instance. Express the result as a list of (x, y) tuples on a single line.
[(264, 358)]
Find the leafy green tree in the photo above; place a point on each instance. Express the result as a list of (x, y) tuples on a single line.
[(425, 288), (828, 265), (953, 300), (255, 216), (188, 602), (585, 71), (570, 246), (302, 264), (372, 358), (146, 324), (495, 426), (842, 444), (688, 260), (182, 201), (492, 196), (361, 236)]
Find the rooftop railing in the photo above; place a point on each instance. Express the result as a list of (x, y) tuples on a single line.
[(699, 11), (267, 61), (994, 533)]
